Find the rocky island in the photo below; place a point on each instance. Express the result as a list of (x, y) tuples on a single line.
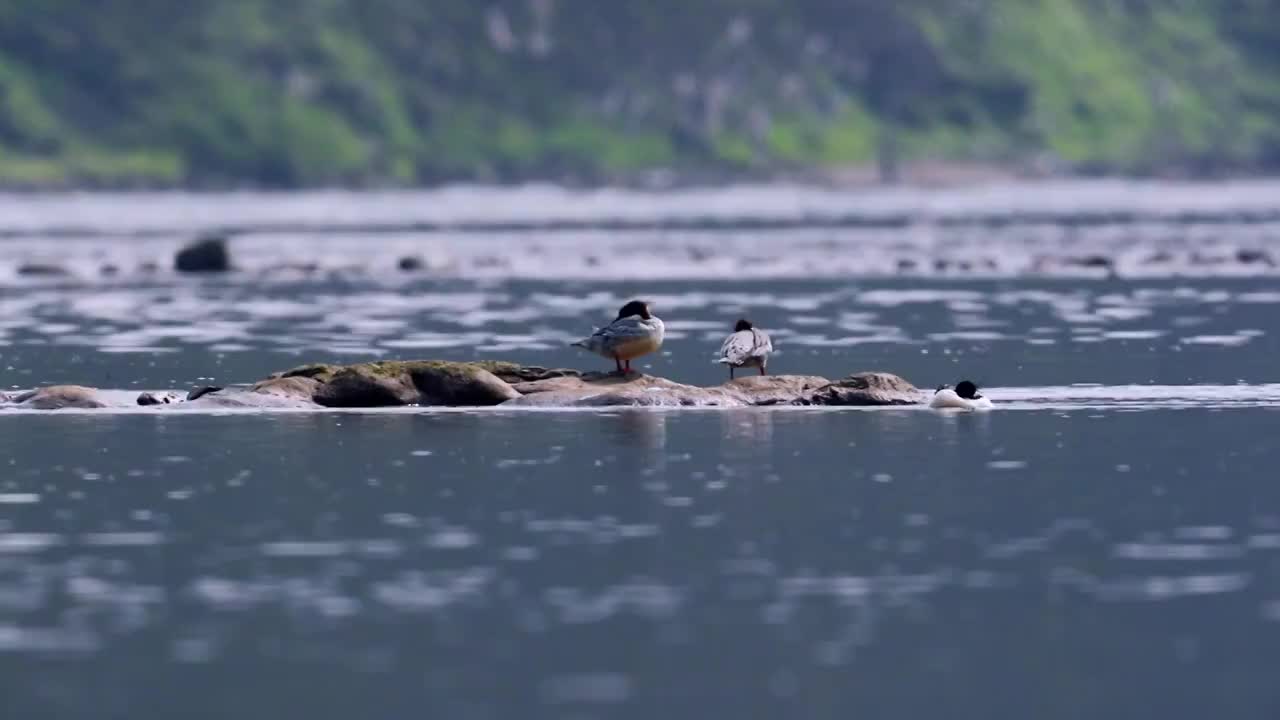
[(437, 383)]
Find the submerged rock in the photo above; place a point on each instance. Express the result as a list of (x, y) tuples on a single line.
[(208, 254), (57, 397)]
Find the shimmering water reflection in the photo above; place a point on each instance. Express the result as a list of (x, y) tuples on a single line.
[(1029, 333), (627, 564)]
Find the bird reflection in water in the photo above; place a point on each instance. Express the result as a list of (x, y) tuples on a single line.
[(640, 432), (749, 430)]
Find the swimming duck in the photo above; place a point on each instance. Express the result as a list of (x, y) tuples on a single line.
[(746, 347), (964, 397), (633, 333)]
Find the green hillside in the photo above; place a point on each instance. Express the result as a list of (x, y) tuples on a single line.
[(285, 93)]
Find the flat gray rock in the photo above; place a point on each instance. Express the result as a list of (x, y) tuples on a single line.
[(57, 397), (635, 390)]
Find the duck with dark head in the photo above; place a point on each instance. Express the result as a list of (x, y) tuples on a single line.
[(635, 332), (965, 396)]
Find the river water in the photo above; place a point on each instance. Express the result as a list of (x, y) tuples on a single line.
[(1106, 543)]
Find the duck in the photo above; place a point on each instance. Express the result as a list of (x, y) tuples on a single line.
[(964, 397), (746, 347), (635, 332)]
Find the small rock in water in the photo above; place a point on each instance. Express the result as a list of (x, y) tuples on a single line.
[(200, 392), (411, 263), (147, 399), (1249, 257), (109, 270), (56, 397), (41, 270), (1093, 261), (208, 254), (302, 268)]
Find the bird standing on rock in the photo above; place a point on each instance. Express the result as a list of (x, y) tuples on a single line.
[(746, 347), (635, 332)]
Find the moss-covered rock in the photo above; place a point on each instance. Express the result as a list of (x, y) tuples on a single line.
[(465, 384), (401, 382)]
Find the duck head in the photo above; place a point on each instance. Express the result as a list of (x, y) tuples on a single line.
[(635, 307), (743, 324), (967, 390)]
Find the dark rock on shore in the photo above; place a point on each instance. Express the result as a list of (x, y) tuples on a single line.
[(206, 255)]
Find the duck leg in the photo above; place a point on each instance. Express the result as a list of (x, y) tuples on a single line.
[(618, 360), (628, 366), (762, 372), (730, 372)]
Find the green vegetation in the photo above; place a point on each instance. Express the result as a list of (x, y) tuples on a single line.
[(219, 93)]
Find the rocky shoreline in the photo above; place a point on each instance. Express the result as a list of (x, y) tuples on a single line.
[(437, 383)]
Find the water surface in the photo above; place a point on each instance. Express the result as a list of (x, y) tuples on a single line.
[(626, 564), (1103, 544)]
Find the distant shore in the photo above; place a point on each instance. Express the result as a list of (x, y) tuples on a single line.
[(915, 174), (954, 195)]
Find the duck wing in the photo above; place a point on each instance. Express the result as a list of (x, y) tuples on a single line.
[(744, 345), (619, 332)]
